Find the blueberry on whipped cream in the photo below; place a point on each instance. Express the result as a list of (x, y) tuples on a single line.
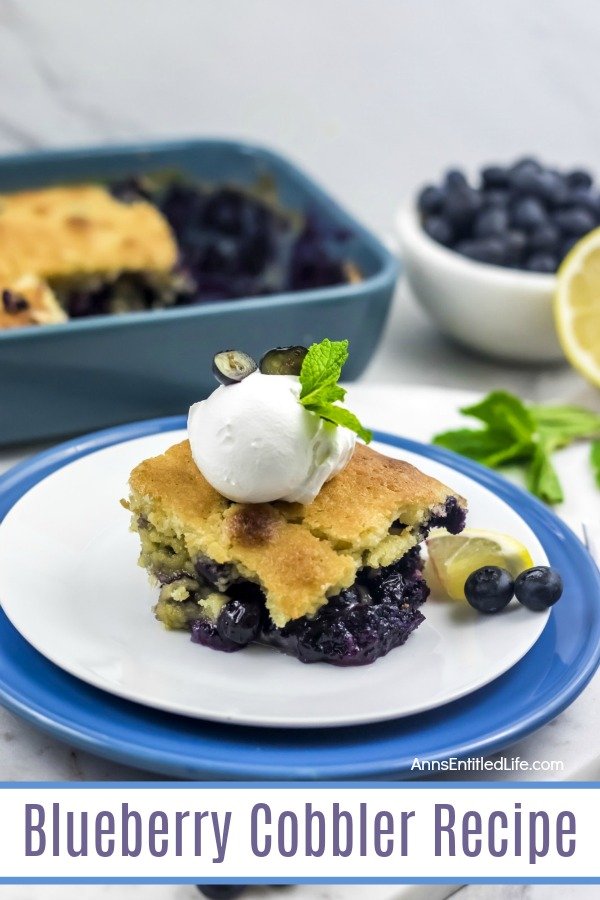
[(274, 525)]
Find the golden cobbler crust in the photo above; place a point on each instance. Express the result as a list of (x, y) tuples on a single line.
[(80, 229), (355, 510), (300, 555)]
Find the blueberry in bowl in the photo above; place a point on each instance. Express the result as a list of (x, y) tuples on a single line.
[(481, 254), (521, 216)]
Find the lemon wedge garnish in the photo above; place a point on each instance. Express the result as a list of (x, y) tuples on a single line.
[(455, 556), (577, 306)]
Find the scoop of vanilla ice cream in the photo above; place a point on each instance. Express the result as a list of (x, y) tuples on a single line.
[(254, 442)]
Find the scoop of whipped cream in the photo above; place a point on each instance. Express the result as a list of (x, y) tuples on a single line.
[(254, 442)]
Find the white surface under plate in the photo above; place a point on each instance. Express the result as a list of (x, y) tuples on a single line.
[(70, 584)]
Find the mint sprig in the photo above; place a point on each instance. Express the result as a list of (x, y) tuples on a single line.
[(321, 370), (526, 436)]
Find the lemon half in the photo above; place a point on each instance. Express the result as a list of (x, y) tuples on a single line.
[(454, 557), (577, 306)]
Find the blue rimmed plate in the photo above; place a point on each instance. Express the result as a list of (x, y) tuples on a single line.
[(545, 680)]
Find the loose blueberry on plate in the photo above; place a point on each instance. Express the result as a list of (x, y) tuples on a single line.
[(283, 361), (538, 588), (232, 366), (489, 589)]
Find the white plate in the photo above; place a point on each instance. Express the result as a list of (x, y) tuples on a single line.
[(70, 584)]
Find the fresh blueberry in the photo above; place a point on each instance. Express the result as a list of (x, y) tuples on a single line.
[(239, 621), (526, 163), (528, 213), (455, 179), (490, 250), (546, 237), (586, 198), (516, 241), (283, 361), (554, 188), (495, 197), (541, 262), (492, 220), (232, 366), (489, 589), (538, 588), (547, 185), (221, 891), (579, 178), (575, 220), (439, 229), (431, 199), (494, 177), (461, 205), (566, 246), (527, 181)]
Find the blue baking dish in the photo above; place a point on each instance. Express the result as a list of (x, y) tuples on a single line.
[(99, 371)]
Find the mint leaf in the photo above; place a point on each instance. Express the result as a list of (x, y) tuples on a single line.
[(322, 369), (526, 435), (491, 448), (505, 414), (595, 460), (340, 416), (564, 424), (541, 477), (319, 376)]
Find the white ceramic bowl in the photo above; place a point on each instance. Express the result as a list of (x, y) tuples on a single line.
[(504, 313)]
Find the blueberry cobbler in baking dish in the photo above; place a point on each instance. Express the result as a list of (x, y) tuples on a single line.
[(156, 242), (273, 524)]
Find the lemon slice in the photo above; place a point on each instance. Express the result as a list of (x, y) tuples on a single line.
[(577, 306), (454, 557)]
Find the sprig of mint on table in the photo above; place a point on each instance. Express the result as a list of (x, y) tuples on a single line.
[(526, 436), (321, 370)]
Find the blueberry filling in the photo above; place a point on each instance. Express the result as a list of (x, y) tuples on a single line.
[(224, 611), (219, 575), (14, 303), (360, 624), (232, 243), (354, 628), (452, 519)]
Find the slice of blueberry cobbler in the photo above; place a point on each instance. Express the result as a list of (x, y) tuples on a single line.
[(338, 580)]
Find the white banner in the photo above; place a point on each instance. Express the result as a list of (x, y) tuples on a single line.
[(306, 832)]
